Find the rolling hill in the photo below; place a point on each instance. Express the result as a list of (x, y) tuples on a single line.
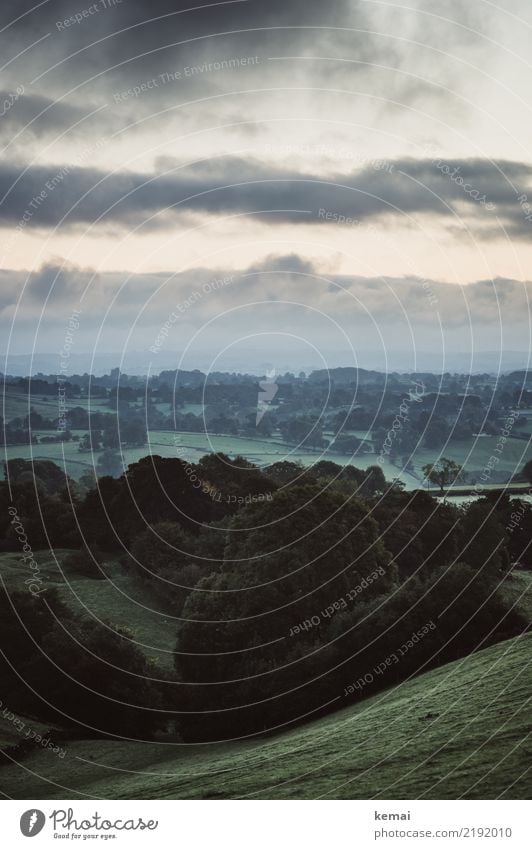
[(461, 731)]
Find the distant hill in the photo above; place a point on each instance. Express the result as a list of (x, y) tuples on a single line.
[(347, 375), (385, 360), (522, 377)]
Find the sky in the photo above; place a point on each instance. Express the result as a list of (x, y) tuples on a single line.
[(252, 184)]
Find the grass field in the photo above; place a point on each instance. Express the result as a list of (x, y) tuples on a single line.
[(191, 447), (120, 599), (461, 731), (473, 454)]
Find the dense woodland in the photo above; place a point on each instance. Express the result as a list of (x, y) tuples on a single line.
[(292, 588)]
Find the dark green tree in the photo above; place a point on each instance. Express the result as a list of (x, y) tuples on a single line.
[(443, 473)]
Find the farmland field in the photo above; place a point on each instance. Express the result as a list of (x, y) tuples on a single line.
[(192, 446)]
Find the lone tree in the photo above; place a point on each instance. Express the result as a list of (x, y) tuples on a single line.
[(443, 473)]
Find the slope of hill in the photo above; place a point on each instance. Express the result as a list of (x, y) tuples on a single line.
[(461, 731), (120, 599)]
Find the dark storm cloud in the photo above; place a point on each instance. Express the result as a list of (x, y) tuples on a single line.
[(110, 33), (123, 43), (475, 191), (120, 45), (211, 16)]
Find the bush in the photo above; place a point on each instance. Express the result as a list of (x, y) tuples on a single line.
[(72, 671), (86, 563)]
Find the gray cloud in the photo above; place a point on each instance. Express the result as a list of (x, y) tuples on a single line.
[(133, 35), (409, 54), (147, 297), (230, 185), (128, 41), (39, 117)]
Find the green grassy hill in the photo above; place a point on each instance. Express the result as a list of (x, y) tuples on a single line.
[(461, 731), (120, 599)]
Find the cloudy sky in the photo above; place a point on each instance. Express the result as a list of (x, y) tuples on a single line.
[(293, 182)]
